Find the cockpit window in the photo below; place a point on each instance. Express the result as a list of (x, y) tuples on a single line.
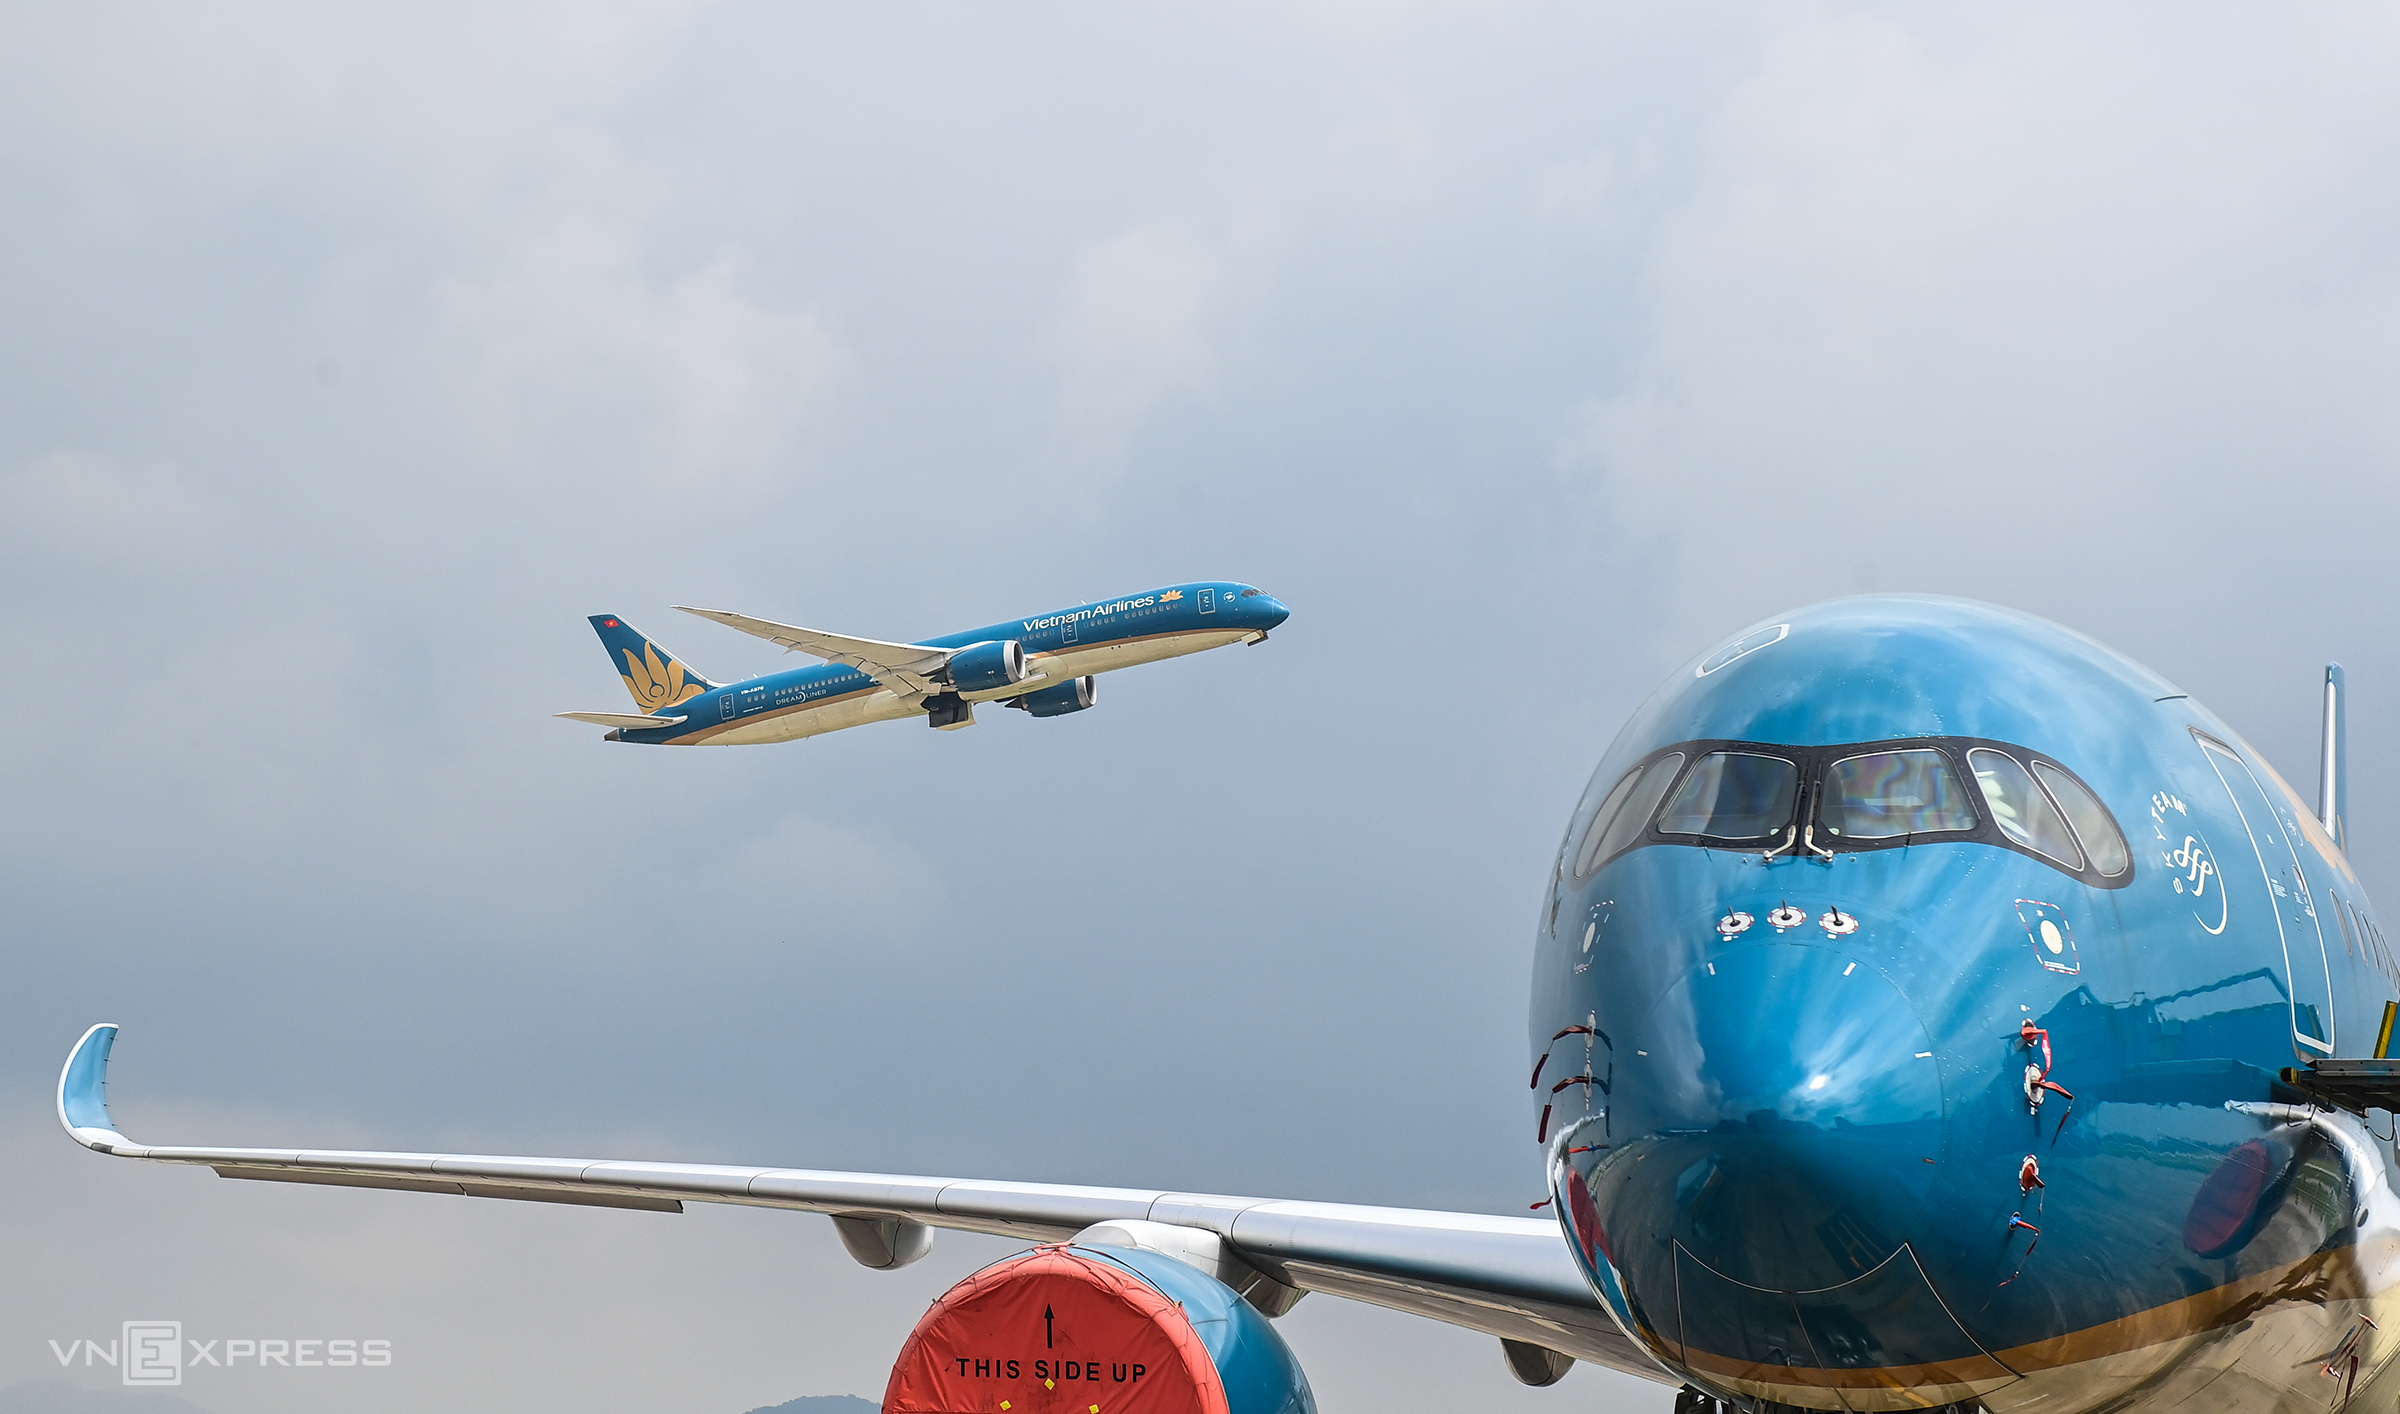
[(1589, 853), (2024, 814), (1885, 794), (1619, 820), (1783, 800), (1733, 795), (2102, 842)]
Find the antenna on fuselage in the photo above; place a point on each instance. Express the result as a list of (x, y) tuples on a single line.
[(2333, 767)]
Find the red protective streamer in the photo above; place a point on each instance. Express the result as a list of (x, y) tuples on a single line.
[(2037, 1077), (2029, 1181)]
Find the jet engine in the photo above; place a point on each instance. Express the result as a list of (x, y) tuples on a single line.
[(1056, 701), (1095, 1329), (981, 667)]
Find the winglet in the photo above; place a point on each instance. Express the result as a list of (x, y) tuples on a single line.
[(82, 1097)]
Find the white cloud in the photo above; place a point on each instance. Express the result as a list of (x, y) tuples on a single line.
[(75, 512), (574, 317), (1956, 311), (1135, 339)]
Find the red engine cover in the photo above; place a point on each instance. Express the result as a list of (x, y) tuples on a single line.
[(1054, 1331)]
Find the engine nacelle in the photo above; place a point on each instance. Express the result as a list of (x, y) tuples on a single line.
[(1057, 701), (981, 667), (1071, 1328)]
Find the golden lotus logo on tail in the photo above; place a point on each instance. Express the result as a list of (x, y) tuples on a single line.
[(657, 685)]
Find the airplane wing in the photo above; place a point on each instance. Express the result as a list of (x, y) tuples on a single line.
[(902, 667), (1512, 1277), (628, 720)]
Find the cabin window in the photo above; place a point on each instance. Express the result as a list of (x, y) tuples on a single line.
[(2370, 942), (2341, 914), (2023, 813), (1733, 795), (1618, 821), (1886, 794), (2103, 844)]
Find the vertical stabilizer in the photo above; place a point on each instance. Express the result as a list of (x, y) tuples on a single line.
[(657, 679), (2333, 767)]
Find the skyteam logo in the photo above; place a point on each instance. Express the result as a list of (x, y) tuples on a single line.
[(155, 1353)]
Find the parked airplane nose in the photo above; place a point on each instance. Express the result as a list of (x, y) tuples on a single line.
[(1794, 1109), (1760, 1186)]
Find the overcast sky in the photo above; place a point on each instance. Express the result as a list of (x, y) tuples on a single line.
[(349, 358)]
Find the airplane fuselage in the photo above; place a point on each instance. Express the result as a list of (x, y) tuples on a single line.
[(1875, 1076), (1061, 646)]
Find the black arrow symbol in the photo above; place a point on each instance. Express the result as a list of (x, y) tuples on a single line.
[(1048, 1340)]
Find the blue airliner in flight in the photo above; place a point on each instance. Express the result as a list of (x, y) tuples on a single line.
[(1931, 1009), (1043, 665)]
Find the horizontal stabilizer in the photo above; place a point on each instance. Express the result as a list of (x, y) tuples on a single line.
[(623, 721)]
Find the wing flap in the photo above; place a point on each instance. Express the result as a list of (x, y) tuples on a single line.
[(435, 1185), (586, 1200), (1511, 1277), (338, 1180)]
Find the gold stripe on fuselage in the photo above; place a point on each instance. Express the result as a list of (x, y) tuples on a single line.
[(2322, 1292)]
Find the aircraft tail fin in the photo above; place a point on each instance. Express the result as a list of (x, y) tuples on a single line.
[(2333, 769), (656, 678)]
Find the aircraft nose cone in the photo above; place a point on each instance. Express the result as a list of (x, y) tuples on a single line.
[(1271, 610), (1797, 1111)]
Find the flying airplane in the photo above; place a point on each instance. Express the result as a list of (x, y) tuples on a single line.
[(1043, 665), (1931, 1009)]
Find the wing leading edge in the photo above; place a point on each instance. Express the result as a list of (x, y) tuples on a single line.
[(1508, 1277)]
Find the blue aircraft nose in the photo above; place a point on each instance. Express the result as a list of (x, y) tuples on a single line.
[(1758, 1187), (1796, 1091), (1774, 1130), (1269, 610)]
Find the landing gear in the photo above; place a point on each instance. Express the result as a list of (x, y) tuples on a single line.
[(947, 711)]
